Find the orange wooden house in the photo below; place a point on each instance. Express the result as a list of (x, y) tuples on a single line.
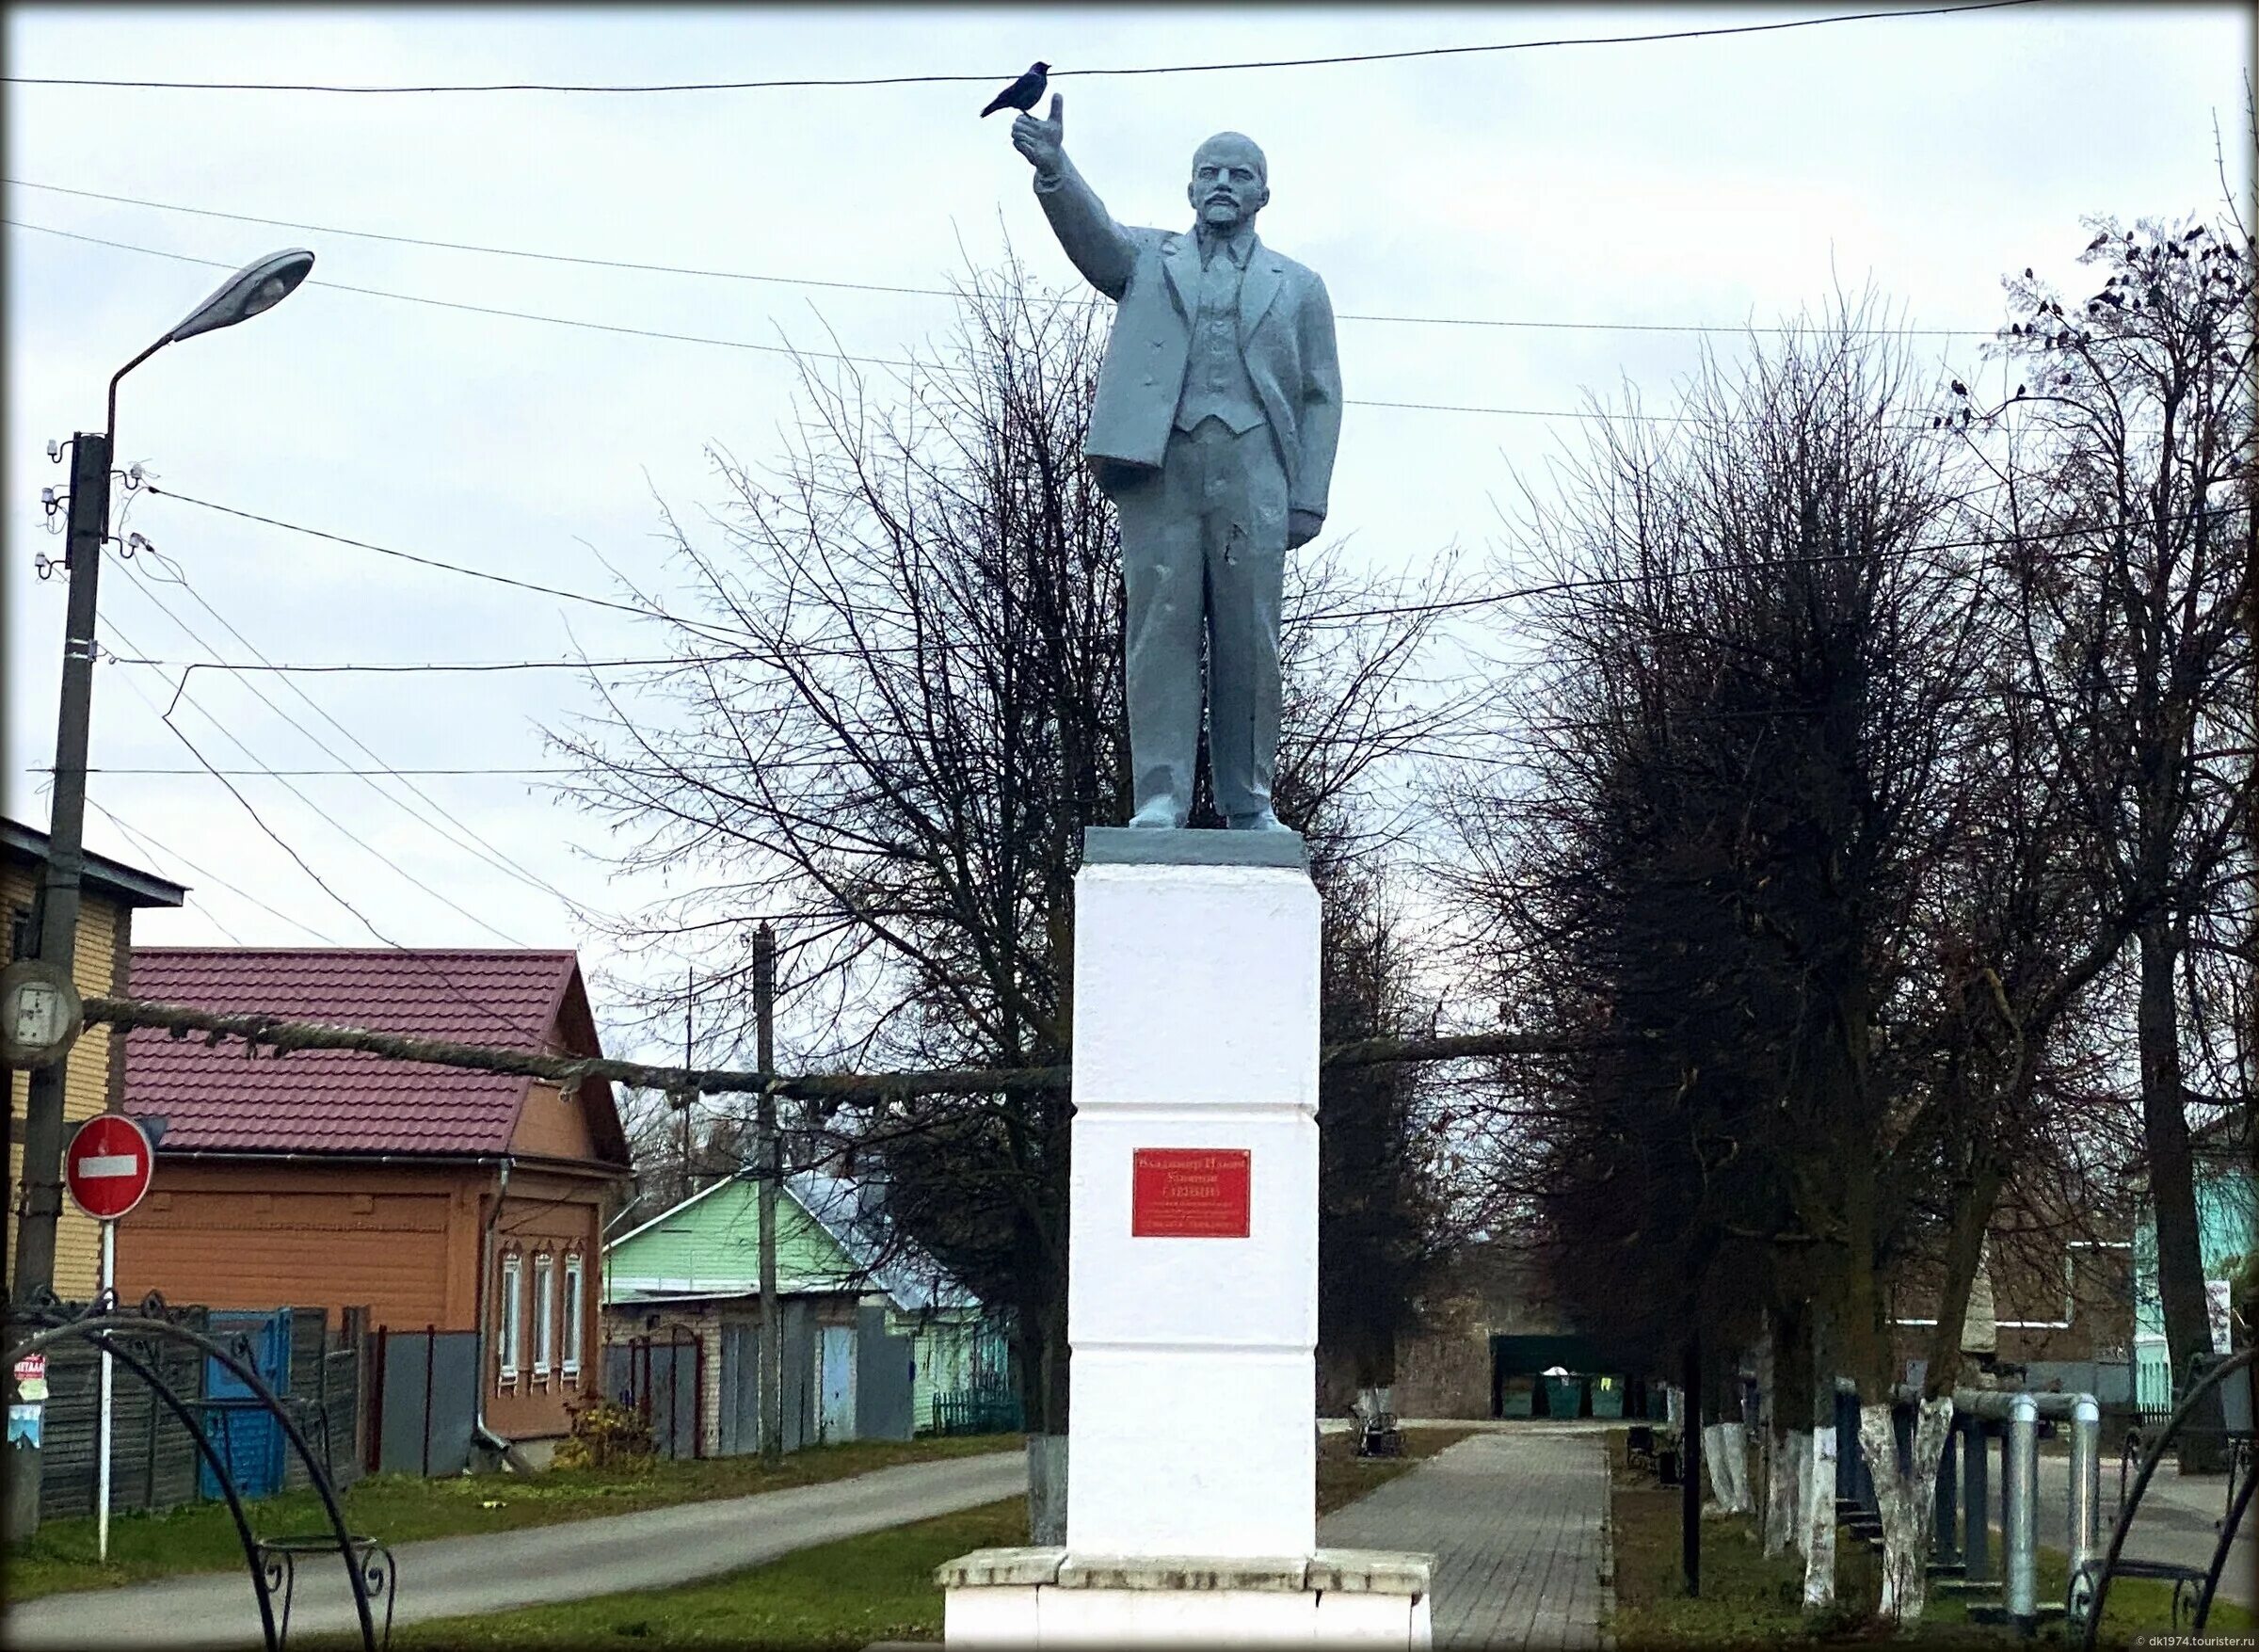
[(435, 1197)]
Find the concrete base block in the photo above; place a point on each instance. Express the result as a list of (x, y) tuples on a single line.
[(1025, 1598)]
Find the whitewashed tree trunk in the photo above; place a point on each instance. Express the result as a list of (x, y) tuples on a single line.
[(1820, 1518), (1713, 1457), (1906, 1502), (1784, 1493), (1734, 1440)]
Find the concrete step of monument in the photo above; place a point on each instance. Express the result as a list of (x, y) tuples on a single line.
[(1937, 1570)]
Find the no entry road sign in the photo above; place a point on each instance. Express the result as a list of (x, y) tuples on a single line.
[(107, 1165)]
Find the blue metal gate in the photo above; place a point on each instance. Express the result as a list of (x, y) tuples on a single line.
[(242, 1430)]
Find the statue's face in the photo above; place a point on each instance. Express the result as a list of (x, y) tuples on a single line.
[(1229, 182)]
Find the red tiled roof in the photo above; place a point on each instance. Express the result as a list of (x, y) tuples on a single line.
[(218, 1098)]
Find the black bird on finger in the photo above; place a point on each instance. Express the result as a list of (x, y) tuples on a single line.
[(1021, 94)]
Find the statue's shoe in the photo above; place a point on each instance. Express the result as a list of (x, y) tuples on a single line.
[(1262, 820), (1160, 814)]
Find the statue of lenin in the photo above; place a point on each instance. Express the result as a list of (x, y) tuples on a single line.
[(1218, 410)]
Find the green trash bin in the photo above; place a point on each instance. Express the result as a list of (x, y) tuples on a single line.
[(1564, 1395), (1608, 1396), (1516, 1396)]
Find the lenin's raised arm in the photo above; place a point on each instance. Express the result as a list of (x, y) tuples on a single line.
[(1101, 248)]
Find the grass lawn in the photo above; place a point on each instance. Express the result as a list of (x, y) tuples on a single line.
[(401, 1508), (1747, 1598), (877, 1587)]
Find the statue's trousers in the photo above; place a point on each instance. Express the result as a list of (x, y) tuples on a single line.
[(1203, 548)]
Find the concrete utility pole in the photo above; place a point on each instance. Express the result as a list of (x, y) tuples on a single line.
[(88, 522), (771, 1163)]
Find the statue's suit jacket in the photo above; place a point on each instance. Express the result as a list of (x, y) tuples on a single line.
[(1286, 338)]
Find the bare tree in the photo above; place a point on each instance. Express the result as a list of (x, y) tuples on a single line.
[(1745, 758), (2122, 458)]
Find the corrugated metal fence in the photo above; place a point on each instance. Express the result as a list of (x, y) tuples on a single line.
[(153, 1464)]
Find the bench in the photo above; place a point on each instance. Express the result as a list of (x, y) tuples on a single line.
[(1377, 1432), (2187, 1585)]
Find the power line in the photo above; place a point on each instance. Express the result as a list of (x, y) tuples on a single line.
[(425, 773), (246, 667), (148, 844), (144, 848), (232, 738), (822, 82), (771, 652), (476, 845), (732, 275), (798, 354), (500, 579), (421, 959)]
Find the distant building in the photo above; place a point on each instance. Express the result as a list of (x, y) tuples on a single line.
[(878, 1341), (468, 1202), (1483, 1337), (109, 893), (2227, 1224)]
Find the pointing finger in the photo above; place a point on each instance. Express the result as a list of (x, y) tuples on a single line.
[(1058, 110)]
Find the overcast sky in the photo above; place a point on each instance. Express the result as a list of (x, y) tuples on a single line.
[(1716, 183)]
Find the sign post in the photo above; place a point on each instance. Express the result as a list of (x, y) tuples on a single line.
[(108, 1168)]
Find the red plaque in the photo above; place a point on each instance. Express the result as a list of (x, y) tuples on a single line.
[(1187, 1192)]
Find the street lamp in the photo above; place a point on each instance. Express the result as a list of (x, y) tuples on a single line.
[(253, 288)]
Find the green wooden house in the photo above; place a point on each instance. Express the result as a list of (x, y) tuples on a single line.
[(879, 1341)]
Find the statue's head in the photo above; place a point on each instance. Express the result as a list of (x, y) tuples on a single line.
[(1231, 181)]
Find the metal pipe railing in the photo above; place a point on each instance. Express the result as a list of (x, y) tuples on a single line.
[(2013, 1415), (2086, 1480), (2019, 1531)]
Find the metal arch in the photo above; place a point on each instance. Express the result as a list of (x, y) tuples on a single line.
[(220, 1472), (2220, 1554), (101, 1322), (2236, 1362)]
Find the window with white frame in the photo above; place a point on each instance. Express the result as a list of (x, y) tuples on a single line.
[(570, 1364), (545, 1313), (509, 1306)]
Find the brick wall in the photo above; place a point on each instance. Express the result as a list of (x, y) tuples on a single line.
[(634, 1321)]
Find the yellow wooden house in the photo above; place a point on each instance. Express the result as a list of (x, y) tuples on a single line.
[(109, 893)]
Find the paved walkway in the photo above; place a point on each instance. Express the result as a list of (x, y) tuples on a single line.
[(2178, 1520), (1517, 1522), (450, 1575)]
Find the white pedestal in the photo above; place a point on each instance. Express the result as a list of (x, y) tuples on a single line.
[(1193, 1384), (1191, 1311)]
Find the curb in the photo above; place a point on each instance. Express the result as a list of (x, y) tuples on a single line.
[(1608, 1551)]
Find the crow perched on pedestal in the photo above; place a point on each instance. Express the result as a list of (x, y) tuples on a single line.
[(1021, 94)]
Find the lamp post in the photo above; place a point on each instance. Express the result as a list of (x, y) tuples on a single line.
[(251, 290)]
